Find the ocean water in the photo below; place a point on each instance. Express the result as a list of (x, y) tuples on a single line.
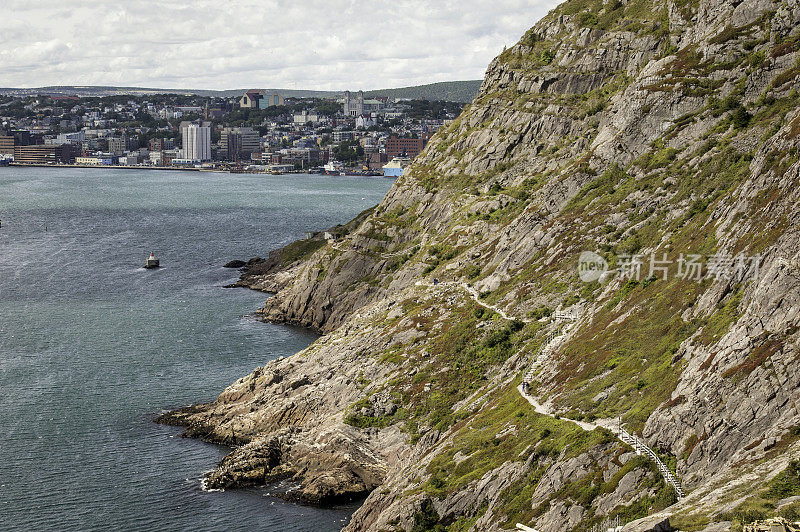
[(93, 347)]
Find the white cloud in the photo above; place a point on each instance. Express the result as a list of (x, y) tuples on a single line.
[(212, 44)]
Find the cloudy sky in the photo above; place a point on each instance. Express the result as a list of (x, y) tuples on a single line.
[(227, 44)]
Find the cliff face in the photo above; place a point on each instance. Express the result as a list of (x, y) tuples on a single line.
[(666, 130)]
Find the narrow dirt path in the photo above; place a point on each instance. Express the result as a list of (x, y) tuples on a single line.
[(612, 425), (476, 296)]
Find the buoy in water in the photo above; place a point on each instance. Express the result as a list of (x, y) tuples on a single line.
[(151, 262)]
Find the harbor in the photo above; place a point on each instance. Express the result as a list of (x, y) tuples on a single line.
[(93, 352), (392, 170)]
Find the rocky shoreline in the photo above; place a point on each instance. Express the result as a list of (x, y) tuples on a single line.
[(326, 477), (331, 466), (629, 128), (324, 480)]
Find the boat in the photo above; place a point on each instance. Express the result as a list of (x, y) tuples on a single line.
[(364, 171), (333, 168), (395, 167), (151, 262)]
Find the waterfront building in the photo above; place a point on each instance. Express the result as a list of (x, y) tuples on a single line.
[(97, 160), (229, 144), (196, 141), (376, 161), (160, 144), (281, 168), (250, 141), (302, 157), (132, 159), (43, 154), (23, 137), (119, 145), (156, 158), (170, 155), (402, 147), (236, 142), (6, 145)]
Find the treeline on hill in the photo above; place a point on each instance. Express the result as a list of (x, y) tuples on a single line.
[(450, 91), (432, 109)]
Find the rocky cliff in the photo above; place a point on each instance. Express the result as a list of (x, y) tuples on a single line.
[(663, 138)]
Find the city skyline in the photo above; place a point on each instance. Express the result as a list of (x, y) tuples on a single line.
[(206, 45)]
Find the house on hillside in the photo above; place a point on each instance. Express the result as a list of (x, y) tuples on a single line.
[(250, 99)]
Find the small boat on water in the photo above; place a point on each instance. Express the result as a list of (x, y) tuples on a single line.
[(151, 262)]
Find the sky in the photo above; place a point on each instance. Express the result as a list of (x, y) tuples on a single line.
[(232, 44)]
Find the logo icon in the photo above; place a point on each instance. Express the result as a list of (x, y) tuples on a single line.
[(591, 266)]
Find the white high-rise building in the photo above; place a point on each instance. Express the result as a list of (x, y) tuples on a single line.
[(196, 141)]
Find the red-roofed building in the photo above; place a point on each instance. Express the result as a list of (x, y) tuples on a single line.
[(250, 99)]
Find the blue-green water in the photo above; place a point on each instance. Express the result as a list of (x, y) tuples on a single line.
[(93, 347)]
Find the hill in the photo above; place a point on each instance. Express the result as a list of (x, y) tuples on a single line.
[(612, 222), (449, 91), (454, 91)]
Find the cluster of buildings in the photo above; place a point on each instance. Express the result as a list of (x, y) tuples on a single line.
[(296, 134)]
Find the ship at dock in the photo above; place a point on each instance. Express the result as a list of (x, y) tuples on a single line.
[(395, 167), (333, 168)]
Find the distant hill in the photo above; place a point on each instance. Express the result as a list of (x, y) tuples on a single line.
[(453, 91), (99, 90), (286, 93)]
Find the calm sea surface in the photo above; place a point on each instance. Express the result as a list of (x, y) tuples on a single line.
[(93, 347)]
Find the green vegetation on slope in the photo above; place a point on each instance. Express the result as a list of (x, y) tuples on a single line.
[(764, 503)]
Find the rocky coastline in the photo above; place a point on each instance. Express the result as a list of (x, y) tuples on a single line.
[(624, 128)]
